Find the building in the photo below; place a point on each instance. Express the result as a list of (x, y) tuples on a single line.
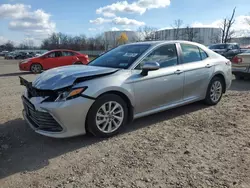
[(204, 36), (110, 38), (244, 42)]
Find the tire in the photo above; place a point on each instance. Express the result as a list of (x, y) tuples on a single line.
[(104, 129), (214, 91), (36, 68)]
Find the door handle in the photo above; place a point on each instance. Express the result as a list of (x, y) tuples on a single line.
[(178, 72), (208, 66)]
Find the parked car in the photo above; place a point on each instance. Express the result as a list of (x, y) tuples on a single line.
[(10, 55), (23, 55), (128, 82), (52, 59), (228, 50), (3, 53), (241, 65)]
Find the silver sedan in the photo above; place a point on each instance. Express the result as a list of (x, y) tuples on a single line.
[(128, 82)]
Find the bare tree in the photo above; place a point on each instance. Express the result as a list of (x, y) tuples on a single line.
[(227, 31), (190, 33), (147, 32), (177, 29)]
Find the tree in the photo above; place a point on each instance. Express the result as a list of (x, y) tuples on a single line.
[(177, 29), (227, 31), (64, 41), (190, 33), (122, 39), (147, 32), (9, 46)]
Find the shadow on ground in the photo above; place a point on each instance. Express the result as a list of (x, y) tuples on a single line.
[(240, 85), (15, 74), (24, 150)]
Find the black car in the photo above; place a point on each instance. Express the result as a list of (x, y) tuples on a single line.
[(228, 50), (23, 55)]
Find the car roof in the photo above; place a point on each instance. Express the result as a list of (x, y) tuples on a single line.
[(224, 44), (155, 43), (62, 50)]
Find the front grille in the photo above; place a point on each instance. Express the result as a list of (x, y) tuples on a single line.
[(41, 120)]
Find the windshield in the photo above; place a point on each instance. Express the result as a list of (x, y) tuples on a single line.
[(121, 57), (219, 46), (248, 51)]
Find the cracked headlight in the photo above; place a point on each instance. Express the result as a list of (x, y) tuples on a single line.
[(67, 95)]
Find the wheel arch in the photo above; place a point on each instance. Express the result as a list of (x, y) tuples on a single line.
[(222, 77), (127, 101)]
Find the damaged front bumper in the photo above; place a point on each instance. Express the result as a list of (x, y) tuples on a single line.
[(55, 119)]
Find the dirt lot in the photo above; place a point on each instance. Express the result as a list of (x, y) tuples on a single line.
[(192, 146)]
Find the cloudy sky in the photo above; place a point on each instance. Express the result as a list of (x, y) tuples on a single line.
[(32, 19)]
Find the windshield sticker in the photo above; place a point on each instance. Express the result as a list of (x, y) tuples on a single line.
[(130, 54)]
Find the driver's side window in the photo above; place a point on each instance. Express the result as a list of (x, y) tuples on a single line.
[(165, 55), (55, 54), (51, 55)]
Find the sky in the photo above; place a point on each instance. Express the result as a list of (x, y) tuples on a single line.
[(22, 20)]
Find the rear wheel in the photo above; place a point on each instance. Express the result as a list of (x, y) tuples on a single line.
[(214, 91), (36, 68), (107, 116)]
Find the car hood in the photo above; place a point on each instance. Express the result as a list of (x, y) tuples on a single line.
[(66, 76)]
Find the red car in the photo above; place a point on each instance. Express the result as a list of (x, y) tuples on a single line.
[(52, 59)]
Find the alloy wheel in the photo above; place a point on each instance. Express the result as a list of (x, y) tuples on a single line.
[(216, 91), (109, 117), (36, 68)]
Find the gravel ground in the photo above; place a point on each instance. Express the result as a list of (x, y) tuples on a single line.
[(191, 146)]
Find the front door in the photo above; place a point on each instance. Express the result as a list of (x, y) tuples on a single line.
[(161, 87), (51, 60), (198, 69)]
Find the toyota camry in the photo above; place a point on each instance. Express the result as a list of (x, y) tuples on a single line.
[(128, 82)]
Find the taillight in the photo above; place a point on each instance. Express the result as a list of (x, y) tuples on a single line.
[(237, 60)]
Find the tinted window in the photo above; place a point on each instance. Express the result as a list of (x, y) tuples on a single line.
[(203, 54), (55, 54), (219, 46), (190, 53), (52, 54), (121, 57), (165, 55), (67, 53)]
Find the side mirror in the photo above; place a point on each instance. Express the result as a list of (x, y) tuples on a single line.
[(149, 66)]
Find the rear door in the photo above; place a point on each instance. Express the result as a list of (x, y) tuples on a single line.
[(198, 70), (68, 58)]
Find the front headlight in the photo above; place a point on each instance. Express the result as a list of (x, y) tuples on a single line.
[(67, 95)]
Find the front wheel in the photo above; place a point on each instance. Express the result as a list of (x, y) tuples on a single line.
[(214, 91), (36, 68), (107, 116)]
